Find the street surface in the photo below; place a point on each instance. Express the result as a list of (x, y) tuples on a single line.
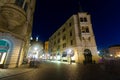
[(61, 71)]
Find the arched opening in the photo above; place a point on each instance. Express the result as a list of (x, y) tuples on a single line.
[(4, 47), (88, 56)]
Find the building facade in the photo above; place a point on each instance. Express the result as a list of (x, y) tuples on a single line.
[(75, 40), (114, 51), (16, 19), (35, 50), (46, 50)]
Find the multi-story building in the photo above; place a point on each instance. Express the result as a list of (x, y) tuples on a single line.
[(46, 46), (75, 40), (35, 50), (114, 50), (16, 19), (46, 49)]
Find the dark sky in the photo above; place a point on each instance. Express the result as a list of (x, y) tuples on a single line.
[(51, 14)]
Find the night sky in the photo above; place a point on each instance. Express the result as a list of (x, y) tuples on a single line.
[(105, 14)]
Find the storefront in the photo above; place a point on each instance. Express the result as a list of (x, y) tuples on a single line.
[(4, 46)]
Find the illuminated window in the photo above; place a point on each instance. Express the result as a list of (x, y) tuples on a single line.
[(4, 46)]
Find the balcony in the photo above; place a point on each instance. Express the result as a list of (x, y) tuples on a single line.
[(14, 15)]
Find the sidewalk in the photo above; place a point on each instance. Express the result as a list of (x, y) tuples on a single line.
[(14, 71)]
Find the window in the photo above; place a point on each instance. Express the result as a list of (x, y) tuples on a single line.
[(85, 29), (63, 29), (58, 41), (55, 43), (85, 19), (69, 24), (58, 33), (70, 33), (71, 42), (83, 38), (81, 19), (19, 2), (64, 37), (54, 37), (64, 45), (89, 39), (25, 7), (58, 47)]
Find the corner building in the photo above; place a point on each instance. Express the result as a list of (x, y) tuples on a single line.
[(75, 40), (16, 19)]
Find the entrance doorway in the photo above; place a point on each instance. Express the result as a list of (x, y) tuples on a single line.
[(88, 56)]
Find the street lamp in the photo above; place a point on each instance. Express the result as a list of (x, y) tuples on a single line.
[(111, 55), (98, 52)]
